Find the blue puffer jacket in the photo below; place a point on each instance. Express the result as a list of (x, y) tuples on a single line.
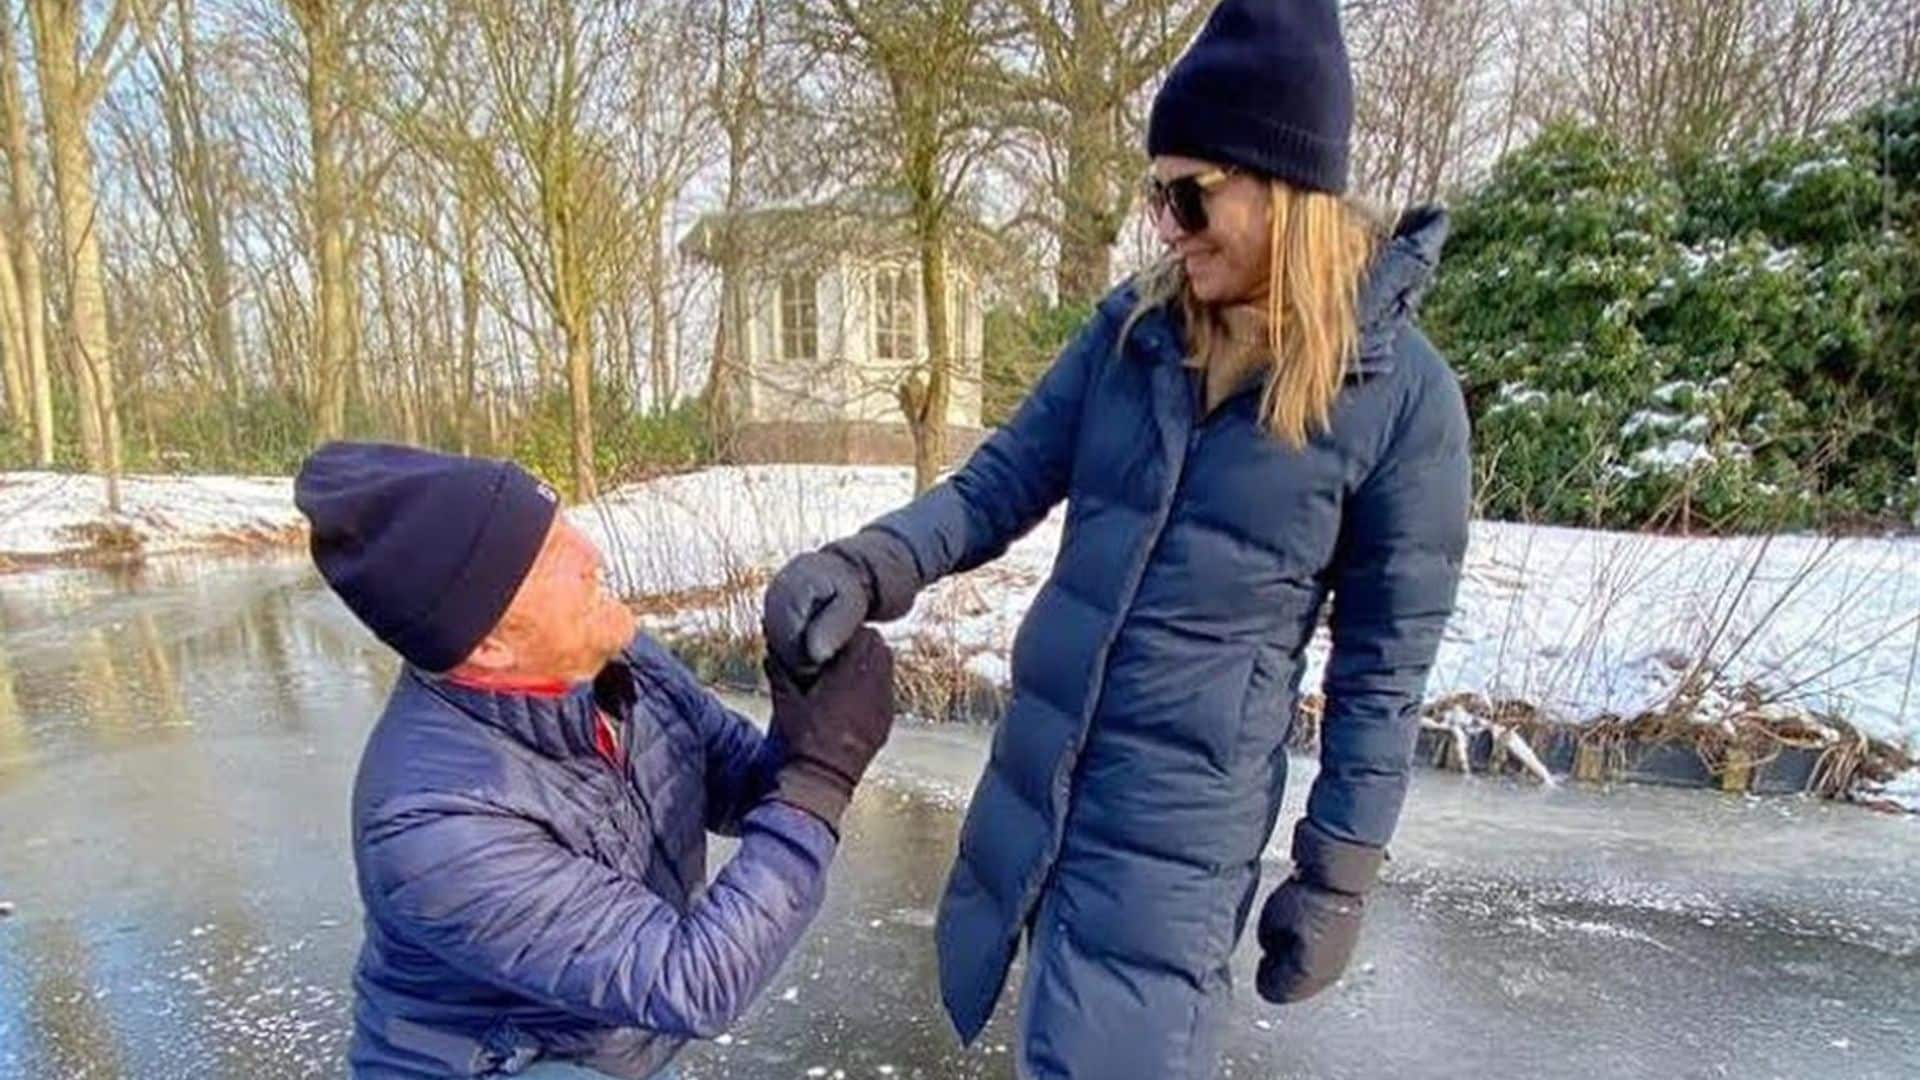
[(1137, 774), (525, 898)]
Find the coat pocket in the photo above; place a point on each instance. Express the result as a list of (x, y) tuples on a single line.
[(1227, 720), (501, 1050)]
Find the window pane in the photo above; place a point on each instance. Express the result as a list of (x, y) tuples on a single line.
[(799, 317), (895, 308)]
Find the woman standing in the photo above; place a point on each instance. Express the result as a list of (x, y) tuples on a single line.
[(1251, 426)]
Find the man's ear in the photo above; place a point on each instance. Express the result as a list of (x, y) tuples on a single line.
[(492, 654)]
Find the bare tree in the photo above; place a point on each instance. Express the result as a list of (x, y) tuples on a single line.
[(550, 171), (73, 75), (1079, 82), (325, 26), (919, 98), (13, 338), (166, 147), (1823, 62), (1900, 32), (746, 71), (1424, 113), (21, 217), (14, 354), (668, 130), (200, 191), (1698, 75)]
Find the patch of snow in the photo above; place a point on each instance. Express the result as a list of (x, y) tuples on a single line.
[(1581, 623), (49, 514), (1666, 392), (1695, 260), (1902, 790), (1673, 455), (1800, 173), (1517, 396), (1647, 419), (1778, 259)]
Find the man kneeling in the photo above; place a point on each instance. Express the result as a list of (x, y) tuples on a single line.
[(530, 815)]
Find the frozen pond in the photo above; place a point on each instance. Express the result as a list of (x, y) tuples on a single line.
[(176, 748)]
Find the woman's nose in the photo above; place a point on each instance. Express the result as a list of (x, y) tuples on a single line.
[(1168, 229)]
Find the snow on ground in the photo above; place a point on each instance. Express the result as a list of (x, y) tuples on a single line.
[(1582, 624), (46, 515)]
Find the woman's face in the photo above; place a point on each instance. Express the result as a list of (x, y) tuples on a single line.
[(1228, 260)]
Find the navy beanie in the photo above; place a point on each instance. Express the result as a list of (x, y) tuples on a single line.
[(427, 549), (1265, 87)]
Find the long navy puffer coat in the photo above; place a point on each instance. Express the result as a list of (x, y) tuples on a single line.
[(1136, 777)]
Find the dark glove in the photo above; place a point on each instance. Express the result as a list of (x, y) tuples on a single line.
[(830, 732), (819, 599), (1310, 924)]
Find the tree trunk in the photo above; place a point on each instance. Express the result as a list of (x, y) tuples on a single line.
[(13, 339), (929, 427), (354, 383), (401, 395), (723, 406), (1088, 223), (21, 218), (580, 394), (659, 343), (633, 375), (736, 84), (187, 128), (67, 102), (332, 335), (469, 321)]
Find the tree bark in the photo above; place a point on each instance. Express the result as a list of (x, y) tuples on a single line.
[(659, 340), (1090, 221), (203, 204), (469, 319), (13, 339), (67, 97), (21, 217), (580, 397), (1094, 115), (928, 422), (738, 106), (319, 25)]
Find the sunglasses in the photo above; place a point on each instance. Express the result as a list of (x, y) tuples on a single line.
[(1184, 197)]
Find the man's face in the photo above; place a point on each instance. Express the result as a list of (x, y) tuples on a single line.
[(564, 622)]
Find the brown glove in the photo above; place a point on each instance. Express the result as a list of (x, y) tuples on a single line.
[(831, 731), (1311, 923)]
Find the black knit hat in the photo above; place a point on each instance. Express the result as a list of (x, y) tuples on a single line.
[(427, 549), (1266, 87)]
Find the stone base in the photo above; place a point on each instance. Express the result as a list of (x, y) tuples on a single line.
[(851, 443)]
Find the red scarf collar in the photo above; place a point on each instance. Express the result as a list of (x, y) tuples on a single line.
[(606, 737), (531, 686)]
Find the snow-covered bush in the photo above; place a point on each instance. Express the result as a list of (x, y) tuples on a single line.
[(1714, 344)]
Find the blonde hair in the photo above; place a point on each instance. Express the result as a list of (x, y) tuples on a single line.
[(1319, 246)]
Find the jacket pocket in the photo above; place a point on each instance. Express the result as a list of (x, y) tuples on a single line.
[(1265, 718), (501, 1050), (1227, 720)]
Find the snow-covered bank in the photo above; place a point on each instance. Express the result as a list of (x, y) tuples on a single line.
[(1576, 626), (47, 517), (1580, 625)]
